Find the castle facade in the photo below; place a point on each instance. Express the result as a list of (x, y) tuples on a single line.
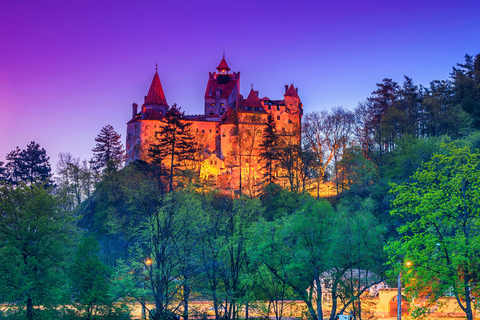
[(230, 131)]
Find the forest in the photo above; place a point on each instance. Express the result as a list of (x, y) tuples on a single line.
[(98, 236)]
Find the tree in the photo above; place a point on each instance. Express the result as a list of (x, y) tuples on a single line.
[(35, 235), (28, 166), (442, 115), (326, 135), (466, 81), (174, 146), (358, 260), (269, 149), (297, 250), (89, 282), (109, 149), (288, 152), (441, 237), (75, 179), (3, 172)]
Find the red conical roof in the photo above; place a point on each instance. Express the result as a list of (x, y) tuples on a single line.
[(155, 94), (253, 100), (291, 92), (223, 65)]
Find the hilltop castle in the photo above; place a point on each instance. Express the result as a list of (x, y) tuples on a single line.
[(224, 109)]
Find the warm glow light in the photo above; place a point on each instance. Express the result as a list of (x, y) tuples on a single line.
[(148, 261), (408, 263)]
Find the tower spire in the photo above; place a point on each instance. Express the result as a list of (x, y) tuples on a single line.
[(155, 93)]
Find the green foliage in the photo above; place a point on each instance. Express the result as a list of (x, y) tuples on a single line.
[(441, 237), (35, 235), (108, 152), (174, 145), (466, 80), (28, 166), (90, 283)]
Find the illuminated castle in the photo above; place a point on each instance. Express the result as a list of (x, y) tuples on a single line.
[(225, 150)]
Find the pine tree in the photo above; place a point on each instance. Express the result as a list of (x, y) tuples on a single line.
[(466, 81), (109, 149), (3, 171), (268, 147), (28, 166), (174, 144)]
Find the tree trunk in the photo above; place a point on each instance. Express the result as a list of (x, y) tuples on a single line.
[(186, 297), (29, 308), (319, 298)]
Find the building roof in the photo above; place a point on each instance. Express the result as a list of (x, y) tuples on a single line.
[(291, 92), (223, 65), (225, 88), (155, 94), (253, 100)]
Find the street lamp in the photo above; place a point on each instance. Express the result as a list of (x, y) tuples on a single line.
[(148, 262)]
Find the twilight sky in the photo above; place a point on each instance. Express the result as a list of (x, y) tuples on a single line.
[(68, 68)]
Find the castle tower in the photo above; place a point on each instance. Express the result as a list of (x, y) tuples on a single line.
[(143, 124), (293, 106), (222, 90), (155, 98)]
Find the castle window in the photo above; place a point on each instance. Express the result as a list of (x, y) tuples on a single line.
[(197, 129), (211, 162), (203, 131), (221, 104), (259, 133), (213, 104), (269, 107), (215, 162), (289, 121), (210, 130), (224, 135), (278, 108), (278, 117)]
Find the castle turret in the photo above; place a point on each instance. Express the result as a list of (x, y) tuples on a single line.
[(293, 105), (222, 90), (155, 99)]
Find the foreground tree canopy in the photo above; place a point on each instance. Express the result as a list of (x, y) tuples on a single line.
[(34, 236), (441, 239)]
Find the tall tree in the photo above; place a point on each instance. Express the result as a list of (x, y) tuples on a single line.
[(89, 281), (442, 115), (466, 81), (28, 165), (3, 171), (35, 235), (297, 250), (174, 146), (441, 238), (327, 135), (109, 149), (75, 179), (269, 149)]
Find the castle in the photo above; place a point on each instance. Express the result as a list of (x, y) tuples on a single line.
[(230, 158)]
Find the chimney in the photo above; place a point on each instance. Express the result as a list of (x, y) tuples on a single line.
[(134, 110), (286, 88), (296, 89), (256, 92)]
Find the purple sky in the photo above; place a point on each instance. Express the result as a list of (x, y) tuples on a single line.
[(68, 68)]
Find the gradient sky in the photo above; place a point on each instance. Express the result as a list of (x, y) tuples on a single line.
[(68, 68)]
